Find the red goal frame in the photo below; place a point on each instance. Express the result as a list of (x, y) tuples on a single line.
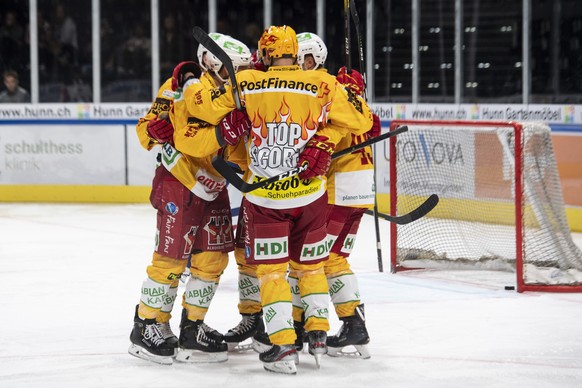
[(519, 212)]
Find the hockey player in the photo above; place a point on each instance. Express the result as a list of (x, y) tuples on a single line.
[(194, 222), (311, 55), (251, 325), (249, 300), (312, 52), (286, 221), (249, 305), (351, 172), (350, 192), (154, 336)]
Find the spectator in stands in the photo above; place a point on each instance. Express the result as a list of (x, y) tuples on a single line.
[(11, 29), (110, 52), (66, 33), (252, 34), (13, 93), (65, 44), (171, 48), (46, 44), (76, 89), (136, 54), (11, 42)]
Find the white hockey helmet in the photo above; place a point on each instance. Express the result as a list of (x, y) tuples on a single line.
[(310, 43), (202, 50), (238, 52)]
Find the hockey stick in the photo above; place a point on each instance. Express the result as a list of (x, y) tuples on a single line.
[(232, 177), (356, 19), (373, 140), (202, 37), (347, 35), (414, 215)]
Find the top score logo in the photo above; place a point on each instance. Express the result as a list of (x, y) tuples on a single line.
[(282, 141), (276, 143)]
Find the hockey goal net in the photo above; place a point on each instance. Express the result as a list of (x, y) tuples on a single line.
[(501, 204)]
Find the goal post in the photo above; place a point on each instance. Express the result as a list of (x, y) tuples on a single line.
[(501, 205)]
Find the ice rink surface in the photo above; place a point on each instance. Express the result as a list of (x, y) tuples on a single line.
[(70, 276)]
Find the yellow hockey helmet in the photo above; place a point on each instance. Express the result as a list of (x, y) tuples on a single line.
[(279, 42)]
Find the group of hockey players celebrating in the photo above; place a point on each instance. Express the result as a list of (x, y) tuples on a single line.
[(293, 237)]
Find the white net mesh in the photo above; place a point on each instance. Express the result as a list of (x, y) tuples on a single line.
[(471, 166)]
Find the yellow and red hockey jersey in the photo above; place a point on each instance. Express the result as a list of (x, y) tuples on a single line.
[(187, 161), (162, 104), (287, 107), (350, 179)]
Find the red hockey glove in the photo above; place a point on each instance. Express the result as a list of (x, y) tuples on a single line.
[(376, 129), (353, 80), (257, 62), (234, 126), (317, 154), (160, 129), (183, 72)]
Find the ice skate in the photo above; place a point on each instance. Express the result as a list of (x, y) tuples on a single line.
[(199, 342), (261, 342), (280, 359), (301, 335), (352, 338), (247, 328), (147, 342), (169, 336), (317, 345)]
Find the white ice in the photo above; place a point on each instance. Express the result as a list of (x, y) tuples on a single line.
[(70, 277)]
